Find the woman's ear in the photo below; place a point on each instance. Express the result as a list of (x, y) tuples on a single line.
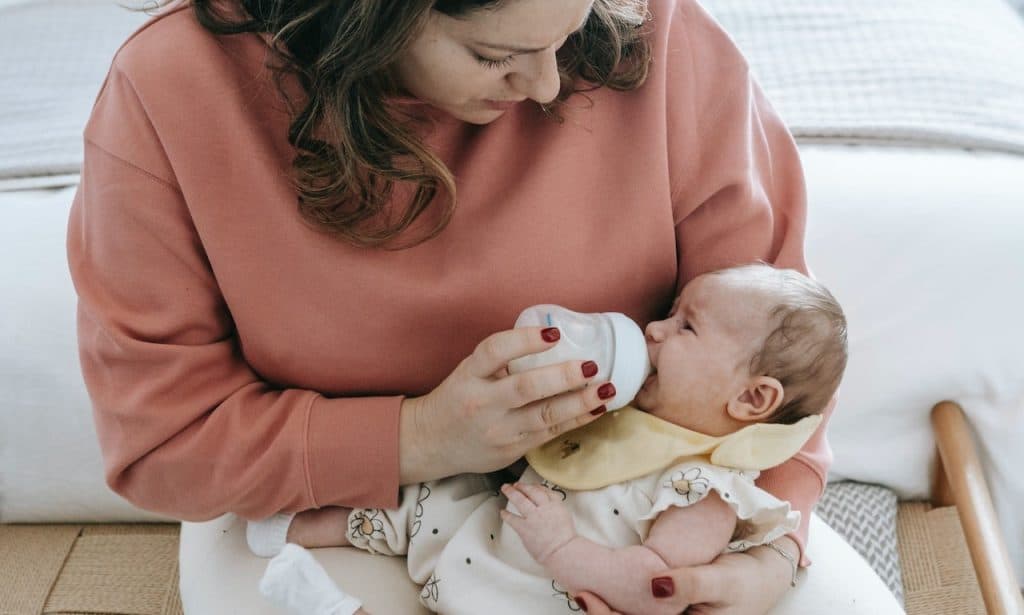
[(758, 401)]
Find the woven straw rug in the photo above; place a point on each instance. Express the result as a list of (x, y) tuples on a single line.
[(95, 569), (132, 569)]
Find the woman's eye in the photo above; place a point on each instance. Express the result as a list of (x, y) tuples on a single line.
[(491, 63)]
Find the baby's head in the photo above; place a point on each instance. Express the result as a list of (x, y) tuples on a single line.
[(743, 345)]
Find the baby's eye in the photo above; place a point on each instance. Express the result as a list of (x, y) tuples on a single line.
[(684, 325)]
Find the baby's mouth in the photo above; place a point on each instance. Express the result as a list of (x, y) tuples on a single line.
[(654, 373)]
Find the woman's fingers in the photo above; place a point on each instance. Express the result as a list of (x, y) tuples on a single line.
[(494, 353), (545, 383), (593, 605), (682, 587), (553, 416)]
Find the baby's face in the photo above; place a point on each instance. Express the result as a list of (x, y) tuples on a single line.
[(701, 353)]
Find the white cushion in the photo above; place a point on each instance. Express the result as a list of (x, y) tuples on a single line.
[(924, 250), (50, 467), (219, 575)]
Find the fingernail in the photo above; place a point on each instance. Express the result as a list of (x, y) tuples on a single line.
[(581, 604), (589, 369), (599, 410), (662, 587), (551, 334), (606, 391)]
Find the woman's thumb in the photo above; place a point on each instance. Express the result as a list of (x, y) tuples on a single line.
[(692, 585)]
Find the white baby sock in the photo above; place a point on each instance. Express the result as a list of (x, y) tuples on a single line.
[(295, 581), (266, 538)]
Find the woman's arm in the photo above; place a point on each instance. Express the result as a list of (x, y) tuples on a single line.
[(734, 584), (188, 427), (801, 480)]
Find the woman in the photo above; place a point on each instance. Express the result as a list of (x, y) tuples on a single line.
[(304, 229)]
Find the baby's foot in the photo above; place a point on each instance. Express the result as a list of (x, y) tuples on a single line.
[(317, 527), (267, 537), (295, 581)]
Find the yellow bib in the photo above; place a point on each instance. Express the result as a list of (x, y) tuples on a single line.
[(628, 444)]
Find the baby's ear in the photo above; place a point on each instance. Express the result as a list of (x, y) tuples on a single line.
[(758, 401)]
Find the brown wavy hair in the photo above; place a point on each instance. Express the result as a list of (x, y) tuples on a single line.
[(352, 146)]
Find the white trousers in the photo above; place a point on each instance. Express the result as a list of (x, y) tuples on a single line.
[(219, 575)]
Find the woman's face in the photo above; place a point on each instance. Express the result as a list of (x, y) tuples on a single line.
[(476, 66)]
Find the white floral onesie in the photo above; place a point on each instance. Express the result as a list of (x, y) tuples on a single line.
[(468, 561)]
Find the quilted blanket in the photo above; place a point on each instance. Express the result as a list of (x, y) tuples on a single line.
[(54, 55), (919, 72)]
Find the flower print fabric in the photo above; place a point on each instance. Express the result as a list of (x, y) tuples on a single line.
[(365, 524), (484, 568), (762, 517), (467, 561)]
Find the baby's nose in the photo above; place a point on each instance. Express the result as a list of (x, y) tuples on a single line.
[(655, 332)]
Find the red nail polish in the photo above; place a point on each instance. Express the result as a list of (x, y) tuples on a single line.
[(551, 334), (589, 369), (599, 410), (662, 587), (581, 604), (606, 391)]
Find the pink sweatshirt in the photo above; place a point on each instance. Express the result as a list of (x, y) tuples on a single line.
[(239, 361)]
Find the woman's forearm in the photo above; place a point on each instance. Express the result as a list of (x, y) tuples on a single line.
[(419, 459), (775, 569), (753, 581)]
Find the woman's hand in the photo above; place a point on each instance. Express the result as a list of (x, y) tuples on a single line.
[(481, 419), (748, 583)]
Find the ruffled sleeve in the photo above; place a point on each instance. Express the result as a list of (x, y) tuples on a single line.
[(762, 516)]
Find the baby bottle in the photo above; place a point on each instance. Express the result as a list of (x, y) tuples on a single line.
[(610, 339)]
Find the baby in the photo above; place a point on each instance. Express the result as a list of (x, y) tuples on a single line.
[(742, 367)]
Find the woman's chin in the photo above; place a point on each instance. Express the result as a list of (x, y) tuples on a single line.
[(481, 117)]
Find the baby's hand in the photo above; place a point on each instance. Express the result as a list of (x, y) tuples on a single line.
[(544, 523)]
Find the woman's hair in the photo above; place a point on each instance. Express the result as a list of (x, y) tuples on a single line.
[(806, 347), (352, 146)]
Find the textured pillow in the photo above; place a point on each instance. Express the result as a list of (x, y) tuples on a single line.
[(55, 55), (865, 516), (921, 72)]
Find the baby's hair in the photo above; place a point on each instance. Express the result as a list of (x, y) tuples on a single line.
[(806, 347)]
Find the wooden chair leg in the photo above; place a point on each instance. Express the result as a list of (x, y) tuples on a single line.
[(962, 480)]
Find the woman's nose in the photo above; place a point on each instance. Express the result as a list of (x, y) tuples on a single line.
[(539, 81)]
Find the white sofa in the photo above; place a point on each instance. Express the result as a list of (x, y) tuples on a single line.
[(919, 238)]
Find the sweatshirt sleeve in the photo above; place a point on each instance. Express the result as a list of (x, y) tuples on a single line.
[(186, 427), (738, 193)]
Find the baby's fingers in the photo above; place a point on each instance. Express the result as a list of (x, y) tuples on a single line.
[(538, 494), (519, 501)]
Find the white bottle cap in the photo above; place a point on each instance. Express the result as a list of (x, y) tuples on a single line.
[(632, 363)]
